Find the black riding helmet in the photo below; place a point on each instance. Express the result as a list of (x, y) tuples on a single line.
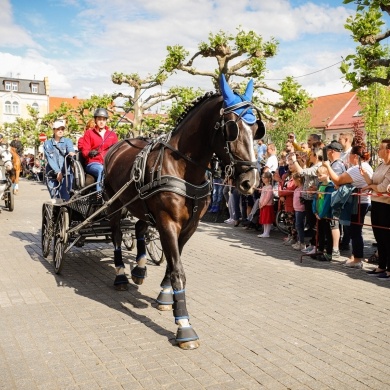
[(100, 112)]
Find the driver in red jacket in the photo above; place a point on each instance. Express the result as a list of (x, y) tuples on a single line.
[(95, 144)]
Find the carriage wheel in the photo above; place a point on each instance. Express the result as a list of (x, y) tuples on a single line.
[(130, 135), (9, 200), (280, 221), (153, 246), (128, 241), (47, 229), (60, 239)]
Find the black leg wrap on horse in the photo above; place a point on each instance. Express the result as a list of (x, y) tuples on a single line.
[(179, 305), (165, 298), (139, 272), (121, 279), (166, 282), (186, 334), (141, 248), (118, 261)]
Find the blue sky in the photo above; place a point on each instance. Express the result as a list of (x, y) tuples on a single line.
[(78, 44)]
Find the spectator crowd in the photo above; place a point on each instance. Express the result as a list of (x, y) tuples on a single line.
[(320, 193)]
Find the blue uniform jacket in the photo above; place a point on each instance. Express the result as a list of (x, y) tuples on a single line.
[(55, 158)]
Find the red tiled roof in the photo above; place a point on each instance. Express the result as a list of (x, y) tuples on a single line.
[(55, 102), (334, 111)]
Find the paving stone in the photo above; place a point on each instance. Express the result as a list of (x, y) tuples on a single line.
[(265, 320)]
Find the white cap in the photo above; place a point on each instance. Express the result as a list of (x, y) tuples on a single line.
[(58, 124)]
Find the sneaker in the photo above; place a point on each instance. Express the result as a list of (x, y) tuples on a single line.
[(335, 253), (374, 273), (353, 264), (298, 246), (263, 235), (289, 241), (307, 249), (324, 257), (229, 221), (383, 276), (312, 251)]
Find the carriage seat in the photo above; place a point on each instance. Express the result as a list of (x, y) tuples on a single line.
[(81, 178)]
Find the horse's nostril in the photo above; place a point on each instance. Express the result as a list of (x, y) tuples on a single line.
[(245, 185)]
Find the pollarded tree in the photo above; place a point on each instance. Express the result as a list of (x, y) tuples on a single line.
[(243, 56), (141, 85), (371, 62), (368, 70)]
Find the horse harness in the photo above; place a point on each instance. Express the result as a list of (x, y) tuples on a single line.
[(164, 183), (167, 183)]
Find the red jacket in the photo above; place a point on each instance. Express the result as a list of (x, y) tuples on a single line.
[(287, 190), (92, 140)]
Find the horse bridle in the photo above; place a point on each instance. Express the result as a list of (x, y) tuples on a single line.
[(233, 125), (4, 162)]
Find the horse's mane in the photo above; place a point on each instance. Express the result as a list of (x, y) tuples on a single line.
[(192, 105)]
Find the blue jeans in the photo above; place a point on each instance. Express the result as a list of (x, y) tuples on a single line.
[(96, 170), (300, 225), (60, 190), (217, 192)]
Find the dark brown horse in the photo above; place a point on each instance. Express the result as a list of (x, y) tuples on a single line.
[(167, 186)]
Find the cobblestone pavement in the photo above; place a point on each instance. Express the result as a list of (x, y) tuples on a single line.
[(266, 321)]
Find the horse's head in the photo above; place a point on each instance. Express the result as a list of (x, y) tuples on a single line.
[(6, 159), (239, 129)]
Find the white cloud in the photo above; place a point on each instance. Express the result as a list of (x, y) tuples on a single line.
[(128, 37), (12, 35)]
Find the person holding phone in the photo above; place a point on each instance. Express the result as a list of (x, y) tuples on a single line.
[(354, 176), (380, 209), (332, 152)]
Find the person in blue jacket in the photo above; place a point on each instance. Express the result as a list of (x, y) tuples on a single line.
[(59, 175), (323, 212)]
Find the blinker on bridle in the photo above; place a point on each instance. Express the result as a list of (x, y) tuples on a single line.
[(231, 132)]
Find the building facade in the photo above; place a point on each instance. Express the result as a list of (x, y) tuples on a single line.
[(334, 114), (16, 94)]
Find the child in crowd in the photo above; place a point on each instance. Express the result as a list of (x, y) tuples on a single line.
[(266, 205), (323, 212), (299, 209), (286, 194)]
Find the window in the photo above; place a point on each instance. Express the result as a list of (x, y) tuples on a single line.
[(7, 108), (7, 85), (35, 106), (15, 108), (14, 86), (34, 88)]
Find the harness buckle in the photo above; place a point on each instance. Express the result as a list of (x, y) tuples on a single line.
[(229, 170)]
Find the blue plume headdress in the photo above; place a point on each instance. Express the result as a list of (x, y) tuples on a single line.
[(231, 98)]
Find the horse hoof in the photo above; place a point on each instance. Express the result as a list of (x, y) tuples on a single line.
[(138, 275), (136, 280), (164, 307), (193, 344), (121, 287)]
